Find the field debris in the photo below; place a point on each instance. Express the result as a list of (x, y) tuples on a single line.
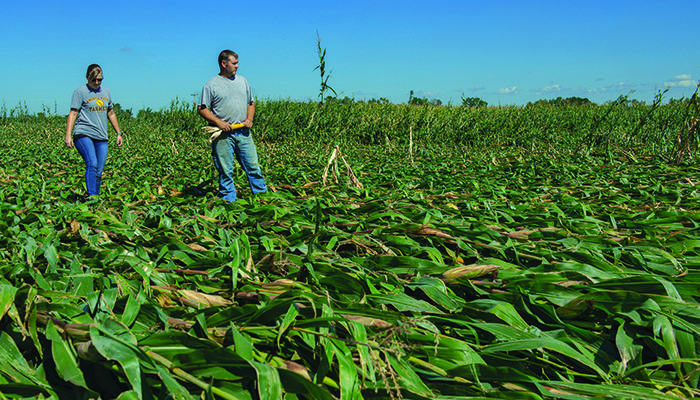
[(332, 167)]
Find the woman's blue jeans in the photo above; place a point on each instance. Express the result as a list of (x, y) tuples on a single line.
[(237, 144), (94, 153)]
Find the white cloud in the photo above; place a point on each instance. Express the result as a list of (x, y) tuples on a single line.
[(428, 94), (617, 87), (511, 90), (683, 83), (125, 48), (553, 88), (683, 80)]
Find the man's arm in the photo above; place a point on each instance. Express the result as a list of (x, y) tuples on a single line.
[(250, 114), (204, 112)]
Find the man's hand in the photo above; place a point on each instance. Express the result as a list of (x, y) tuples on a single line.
[(223, 125), (210, 117)]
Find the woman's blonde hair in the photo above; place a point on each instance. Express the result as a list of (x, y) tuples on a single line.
[(92, 71)]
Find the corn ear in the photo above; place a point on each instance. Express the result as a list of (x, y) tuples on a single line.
[(214, 132), (369, 321), (468, 272), (278, 286), (78, 331)]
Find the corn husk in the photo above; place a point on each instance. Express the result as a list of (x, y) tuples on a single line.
[(468, 272), (214, 132)]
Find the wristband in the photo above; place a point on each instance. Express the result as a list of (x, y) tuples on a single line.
[(120, 133)]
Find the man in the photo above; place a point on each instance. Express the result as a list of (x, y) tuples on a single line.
[(228, 100)]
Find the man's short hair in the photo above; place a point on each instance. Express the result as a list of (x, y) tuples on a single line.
[(225, 55)]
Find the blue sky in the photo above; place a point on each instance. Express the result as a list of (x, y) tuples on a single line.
[(504, 52)]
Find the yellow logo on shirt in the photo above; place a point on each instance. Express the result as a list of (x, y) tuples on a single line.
[(100, 102)]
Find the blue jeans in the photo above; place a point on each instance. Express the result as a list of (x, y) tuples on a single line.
[(94, 153), (236, 144)]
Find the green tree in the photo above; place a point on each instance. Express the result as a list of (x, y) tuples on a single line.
[(121, 112), (417, 101), (577, 101), (382, 100), (473, 102), (561, 102)]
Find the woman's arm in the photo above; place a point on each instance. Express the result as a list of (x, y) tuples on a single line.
[(112, 117), (72, 116)]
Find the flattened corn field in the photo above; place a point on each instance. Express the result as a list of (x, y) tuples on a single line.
[(510, 252)]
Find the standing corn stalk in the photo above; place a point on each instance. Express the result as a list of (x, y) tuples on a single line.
[(410, 144), (322, 68), (687, 141), (688, 138)]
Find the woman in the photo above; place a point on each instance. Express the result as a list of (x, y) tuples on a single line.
[(90, 109)]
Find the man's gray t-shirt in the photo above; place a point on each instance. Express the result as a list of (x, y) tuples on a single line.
[(228, 99), (92, 106)]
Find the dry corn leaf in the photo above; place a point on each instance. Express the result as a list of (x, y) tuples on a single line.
[(74, 226), (196, 247), (204, 299)]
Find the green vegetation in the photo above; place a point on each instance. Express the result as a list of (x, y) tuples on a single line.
[(321, 67), (473, 102), (548, 251)]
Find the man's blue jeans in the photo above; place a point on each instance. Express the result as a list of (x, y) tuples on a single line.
[(94, 153), (237, 144)]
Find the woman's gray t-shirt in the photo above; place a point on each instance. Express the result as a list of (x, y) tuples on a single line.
[(92, 106)]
